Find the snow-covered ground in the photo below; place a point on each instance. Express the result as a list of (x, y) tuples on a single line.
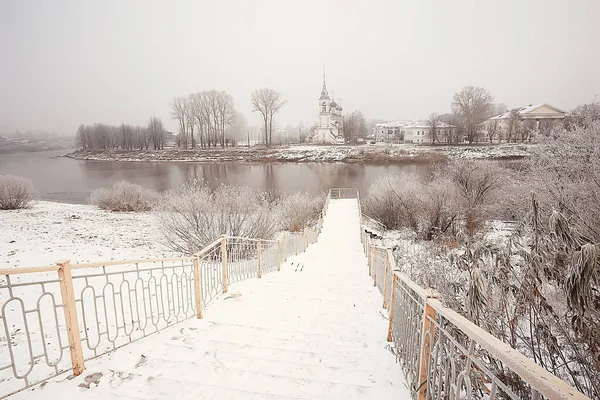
[(315, 330), (48, 232), (378, 153)]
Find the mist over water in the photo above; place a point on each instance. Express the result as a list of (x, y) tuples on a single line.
[(71, 181)]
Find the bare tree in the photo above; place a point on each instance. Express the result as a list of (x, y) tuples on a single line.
[(179, 106), (433, 122), (585, 114), (156, 130), (454, 132), (474, 105), (353, 126), (238, 129), (513, 125), (268, 102)]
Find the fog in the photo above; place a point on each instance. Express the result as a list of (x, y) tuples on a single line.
[(64, 63)]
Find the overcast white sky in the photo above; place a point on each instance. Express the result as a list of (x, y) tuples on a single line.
[(63, 63)]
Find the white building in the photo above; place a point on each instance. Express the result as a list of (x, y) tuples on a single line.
[(519, 122), (404, 131), (329, 128)]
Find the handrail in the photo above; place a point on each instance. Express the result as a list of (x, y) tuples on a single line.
[(251, 239), (124, 262), (424, 322), (28, 270), (539, 378), (186, 285), (423, 293)]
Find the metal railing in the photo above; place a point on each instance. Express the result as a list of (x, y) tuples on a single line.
[(54, 318), (444, 355)]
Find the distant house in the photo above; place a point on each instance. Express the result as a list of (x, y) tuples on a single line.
[(404, 131), (518, 123)]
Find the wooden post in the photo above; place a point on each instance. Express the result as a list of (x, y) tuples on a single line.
[(70, 309), (284, 246), (385, 281), (389, 336), (296, 242), (375, 267), (428, 326), (259, 260), (305, 240), (224, 261), (369, 255), (278, 256), (198, 286)]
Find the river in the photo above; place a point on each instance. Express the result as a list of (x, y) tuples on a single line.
[(66, 180)]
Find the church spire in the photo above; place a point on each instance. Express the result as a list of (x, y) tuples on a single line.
[(324, 94)]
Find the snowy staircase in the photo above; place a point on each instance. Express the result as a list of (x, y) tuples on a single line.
[(314, 330)]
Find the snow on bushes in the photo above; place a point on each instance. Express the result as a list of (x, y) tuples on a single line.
[(124, 196), (299, 209), (15, 192), (193, 216)]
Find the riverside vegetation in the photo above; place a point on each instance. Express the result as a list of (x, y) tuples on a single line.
[(537, 285)]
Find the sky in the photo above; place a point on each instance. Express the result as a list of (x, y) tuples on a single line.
[(64, 63)]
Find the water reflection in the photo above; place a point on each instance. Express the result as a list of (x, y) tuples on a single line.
[(67, 180)]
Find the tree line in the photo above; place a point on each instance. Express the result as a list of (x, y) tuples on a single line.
[(126, 137), (207, 119)]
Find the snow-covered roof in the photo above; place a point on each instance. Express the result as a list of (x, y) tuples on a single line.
[(524, 111), (406, 124)]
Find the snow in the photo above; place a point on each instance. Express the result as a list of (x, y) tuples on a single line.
[(48, 232), (378, 153), (315, 330)]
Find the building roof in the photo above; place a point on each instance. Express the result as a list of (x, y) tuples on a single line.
[(412, 124), (528, 110)]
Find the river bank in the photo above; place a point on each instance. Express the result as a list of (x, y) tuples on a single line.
[(365, 154)]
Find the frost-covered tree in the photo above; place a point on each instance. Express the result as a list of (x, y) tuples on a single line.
[(474, 106), (267, 102)]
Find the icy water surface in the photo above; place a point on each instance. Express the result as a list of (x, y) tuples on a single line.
[(72, 181)]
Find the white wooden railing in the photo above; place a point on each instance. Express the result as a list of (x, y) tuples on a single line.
[(446, 356), (54, 318)]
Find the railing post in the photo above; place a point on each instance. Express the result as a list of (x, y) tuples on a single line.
[(259, 260), (278, 256), (305, 240), (375, 267), (285, 246), (392, 300), (197, 286), (385, 280), (224, 261), (70, 309), (369, 255), (427, 333)]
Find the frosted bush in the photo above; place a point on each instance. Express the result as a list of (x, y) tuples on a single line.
[(15, 192), (193, 216), (393, 201), (124, 196), (298, 210)]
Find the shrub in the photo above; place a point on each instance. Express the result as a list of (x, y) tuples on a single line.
[(15, 192), (124, 196), (393, 200), (193, 216), (299, 209)]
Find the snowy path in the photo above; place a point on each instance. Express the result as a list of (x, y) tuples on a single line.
[(315, 330)]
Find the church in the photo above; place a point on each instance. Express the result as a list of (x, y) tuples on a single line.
[(329, 128)]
